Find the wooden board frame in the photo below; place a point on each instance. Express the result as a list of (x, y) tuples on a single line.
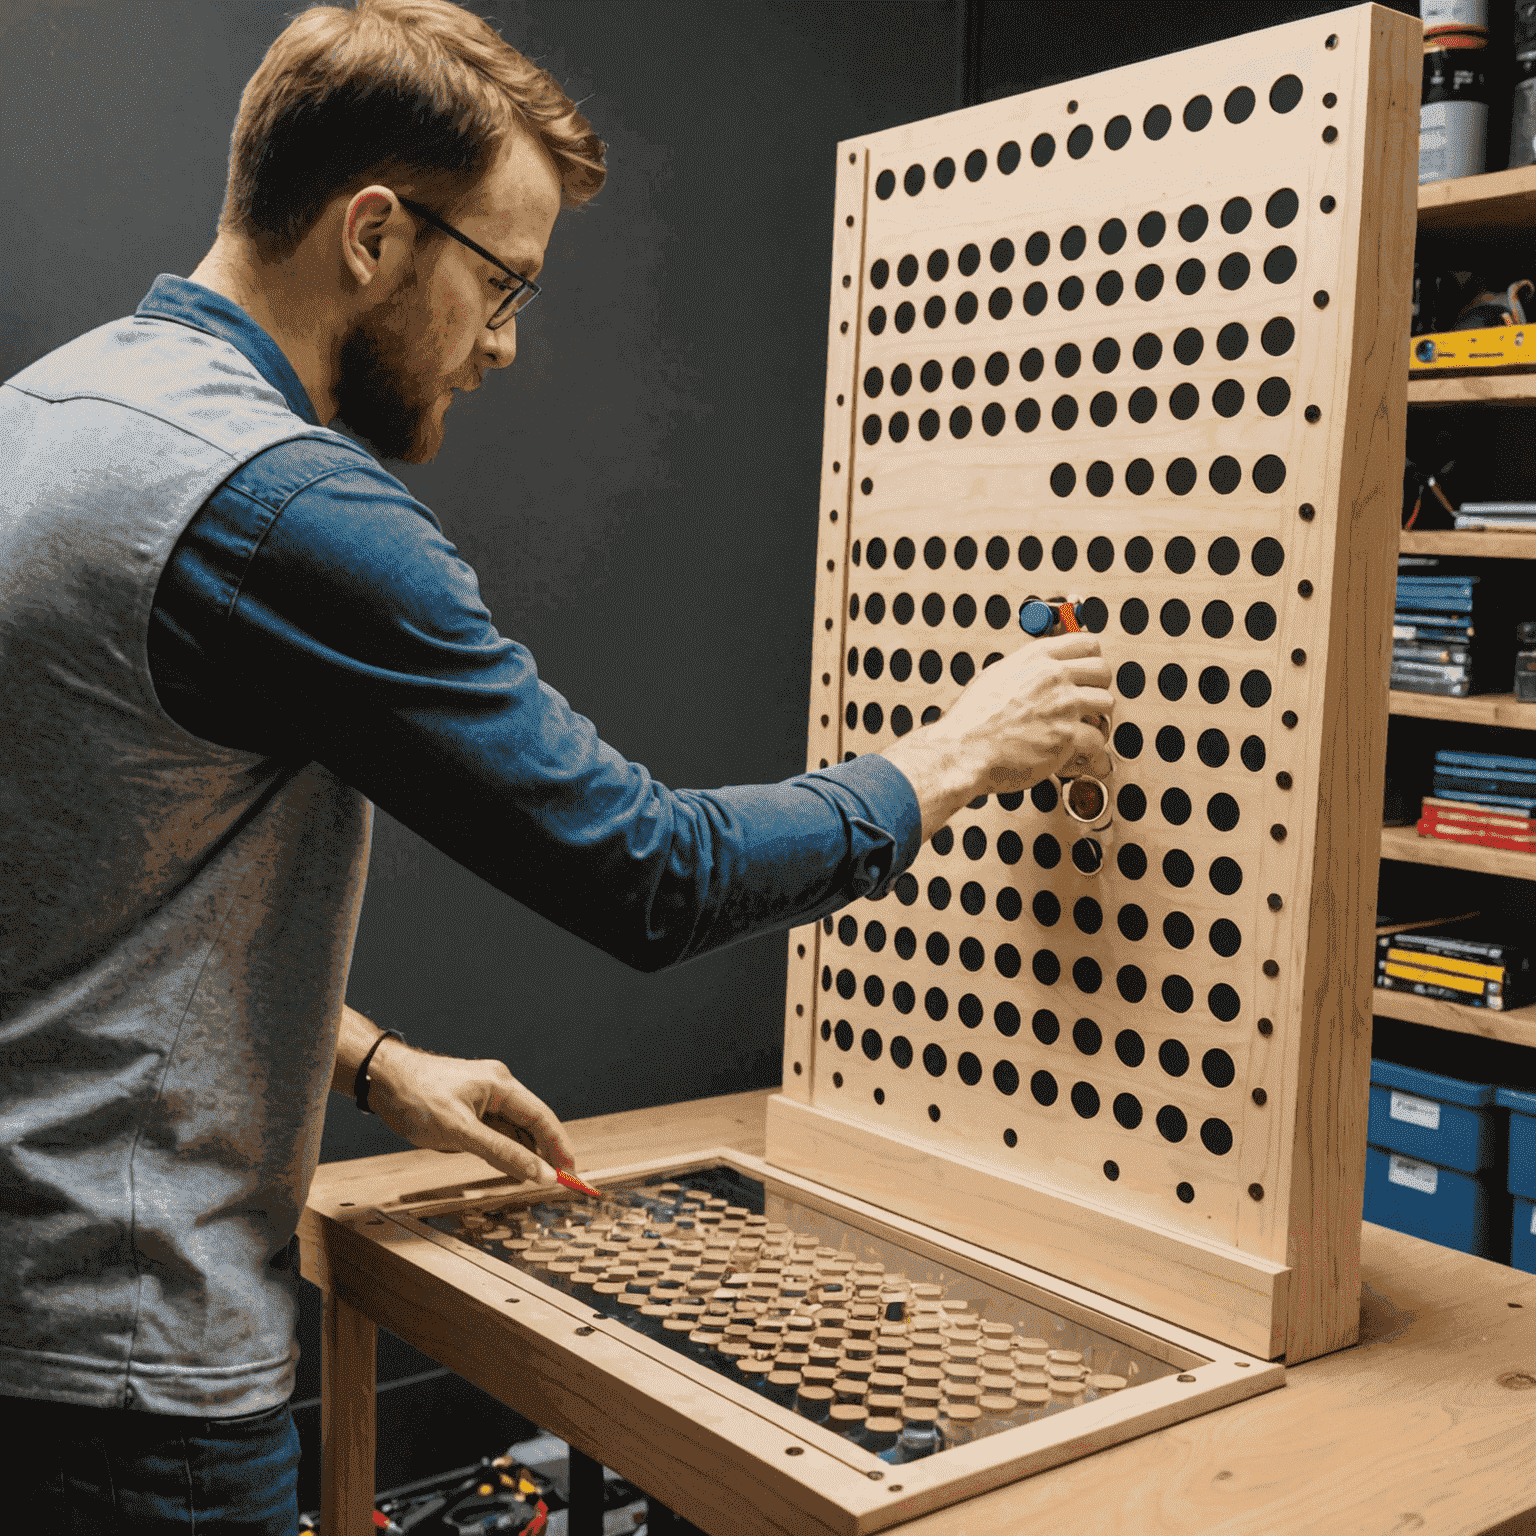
[(716, 1452), (1264, 1254)]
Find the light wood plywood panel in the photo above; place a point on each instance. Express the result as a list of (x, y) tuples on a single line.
[(1139, 338)]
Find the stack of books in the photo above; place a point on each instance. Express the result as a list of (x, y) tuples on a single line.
[(1509, 516), (1487, 779), (1432, 629), (1482, 826), (1458, 963)]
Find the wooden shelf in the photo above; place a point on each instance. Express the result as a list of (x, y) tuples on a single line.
[(1405, 844), (1472, 389), (1480, 709), (1516, 1025), (1490, 544), (1498, 201)]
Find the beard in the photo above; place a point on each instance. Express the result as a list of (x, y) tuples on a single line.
[(379, 395)]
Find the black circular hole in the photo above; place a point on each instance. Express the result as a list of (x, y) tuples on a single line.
[(1277, 337), (1227, 398), (1280, 264), (885, 184), (1234, 271), (1043, 148), (1216, 619), (1138, 554), (1282, 207), (1174, 616), (1180, 476), (1178, 997), (1131, 861), (1232, 341), (1213, 747), (1128, 739), (1149, 282), (1131, 982), (1226, 937), (1269, 474), (1259, 621), (1235, 214), (1131, 802), (1273, 396), (912, 182), (1226, 876), (1175, 804), (1008, 158), (1285, 93), (1080, 141), (1188, 345), (1223, 1002), (1197, 113), (1239, 105), (1133, 616), (1268, 556), (1252, 753), (1214, 685), (1132, 922), (1178, 868), (1225, 475), (1222, 812), (1157, 122), (1255, 689), (1183, 402), (1117, 131), (1172, 682)]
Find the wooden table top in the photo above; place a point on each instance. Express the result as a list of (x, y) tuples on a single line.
[(1428, 1424)]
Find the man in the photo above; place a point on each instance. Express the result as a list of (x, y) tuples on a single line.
[(225, 631)]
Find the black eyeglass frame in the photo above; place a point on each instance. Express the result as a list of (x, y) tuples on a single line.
[(515, 302)]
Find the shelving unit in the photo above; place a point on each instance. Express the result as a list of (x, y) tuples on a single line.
[(1477, 208)]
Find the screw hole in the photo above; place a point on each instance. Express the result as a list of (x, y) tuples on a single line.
[(347, 1202), (1242, 1364), (514, 1299), (584, 1330), (1186, 1378), (794, 1450), (1328, 204), (1260, 1097), (1333, 40), (1071, 106), (1320, 298), (1517, 1304), (1330, 100), (1330, 133)]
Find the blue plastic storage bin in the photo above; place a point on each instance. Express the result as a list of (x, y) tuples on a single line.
[(1522, 1140), (1522, 1237), (1442, 1205), (1435, 1119)]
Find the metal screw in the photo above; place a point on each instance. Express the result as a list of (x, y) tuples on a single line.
[(1266, 1026), (1313, 413), (1320, 298), (1283, 779), (1307, 511), (1256, 1190), (1328, 204), (1289, 719), (1277, 832), (1275, 901), (1304, 588), (1330, 133), (1271, 968), (1299, 656), (1259, 1096), (584, 1330), (1330, 100)]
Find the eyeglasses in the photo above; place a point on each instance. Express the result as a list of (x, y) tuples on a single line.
[(518, 299)]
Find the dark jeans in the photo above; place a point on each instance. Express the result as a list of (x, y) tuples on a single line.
[(72, 1471)]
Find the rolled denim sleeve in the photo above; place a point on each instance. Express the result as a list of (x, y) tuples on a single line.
[(317, 611)]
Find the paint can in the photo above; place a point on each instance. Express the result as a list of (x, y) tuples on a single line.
[(1453, 112)]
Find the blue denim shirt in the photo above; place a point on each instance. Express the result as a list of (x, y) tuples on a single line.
[(314, 610)]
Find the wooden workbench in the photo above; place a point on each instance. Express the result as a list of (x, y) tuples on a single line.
[(1427, 1425)]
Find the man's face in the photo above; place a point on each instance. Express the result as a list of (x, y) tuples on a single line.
[(402, 357)]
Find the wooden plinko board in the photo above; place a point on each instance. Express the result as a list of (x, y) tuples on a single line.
[(1140, 338)]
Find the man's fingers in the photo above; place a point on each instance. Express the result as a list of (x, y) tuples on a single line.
[(552, 1144), (1065, 647), (509, 1148)]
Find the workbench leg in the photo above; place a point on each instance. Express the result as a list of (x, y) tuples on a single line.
[(348, 1365), (585, 1516)]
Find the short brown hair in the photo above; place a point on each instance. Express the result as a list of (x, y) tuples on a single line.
[(419, 95)]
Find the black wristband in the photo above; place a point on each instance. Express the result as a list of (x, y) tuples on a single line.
[(360, 1083)]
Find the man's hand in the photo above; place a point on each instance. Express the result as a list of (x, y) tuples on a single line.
[(446, 1104), (1034, 713)]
